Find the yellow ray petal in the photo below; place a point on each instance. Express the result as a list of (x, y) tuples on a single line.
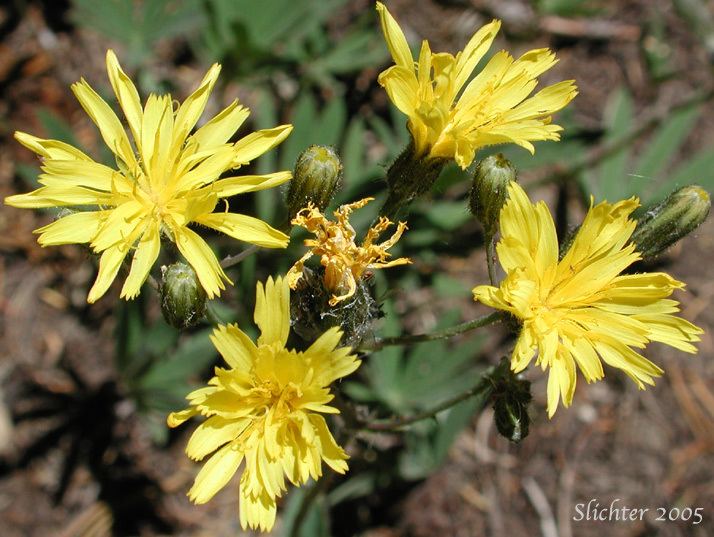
[(120, 226), (53, 196), (202, 259), (235, 346), (80, 173), (207, 171), (106, 120), (231, 186), (257, 143), (126, 94), (156, 139), (191, 109), (215, 474), (51, 149), (393, 35), (402, 87), (272, 311), (220, 129), (77, 228), (145, 255), (245, 228), (212, 434), (109, 265), (332, 454), (474, 50)]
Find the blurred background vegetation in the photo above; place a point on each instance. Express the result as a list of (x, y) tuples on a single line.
[(85, 390)]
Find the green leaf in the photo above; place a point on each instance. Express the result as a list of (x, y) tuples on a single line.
[(305, 123), (664, 144), (194, 354), (353, 153), (612, 172), (447, 215), (699, 169), (128, 335), (354, 52), (56, 127), (316, 522), (332, 122)]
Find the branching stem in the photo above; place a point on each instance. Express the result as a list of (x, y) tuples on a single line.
[(439, 334)]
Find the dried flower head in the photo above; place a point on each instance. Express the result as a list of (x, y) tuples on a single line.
[(344, 262)]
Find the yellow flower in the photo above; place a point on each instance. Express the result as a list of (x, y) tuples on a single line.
[(345, 262), (581, 310), (493, 108), (265, 408), (170, 181)]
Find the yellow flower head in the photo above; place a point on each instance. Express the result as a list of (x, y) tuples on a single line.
[(493, 107), (345, 262), (581, 310), (166, 180), (265, 408)]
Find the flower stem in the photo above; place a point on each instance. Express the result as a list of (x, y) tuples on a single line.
[(491, 258), (482, 388), (439, 334), (231, 260)]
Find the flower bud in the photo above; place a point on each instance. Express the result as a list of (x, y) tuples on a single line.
[(663, 224), (183, 300), (316, 179), (511, 396), (490, 188), (409, 177)]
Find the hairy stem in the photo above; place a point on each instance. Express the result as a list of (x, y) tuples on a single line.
[(439, 334), (231, 260), (481, 388), (491, 258)]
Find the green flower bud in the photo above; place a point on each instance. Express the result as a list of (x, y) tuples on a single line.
[(511, 396), (183, 300), (663, 224), (490, 189), (409, 177), (317, 177)]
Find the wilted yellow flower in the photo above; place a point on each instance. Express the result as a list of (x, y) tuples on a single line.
[(266, 408), (581, 310), (167, 180), (493, 107), (345, 262)]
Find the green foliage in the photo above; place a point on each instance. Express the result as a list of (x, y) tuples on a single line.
[(139, 24), (156, 366), (316, 521), (567, 8), (255, 38), (407, 381), (647, 173)]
